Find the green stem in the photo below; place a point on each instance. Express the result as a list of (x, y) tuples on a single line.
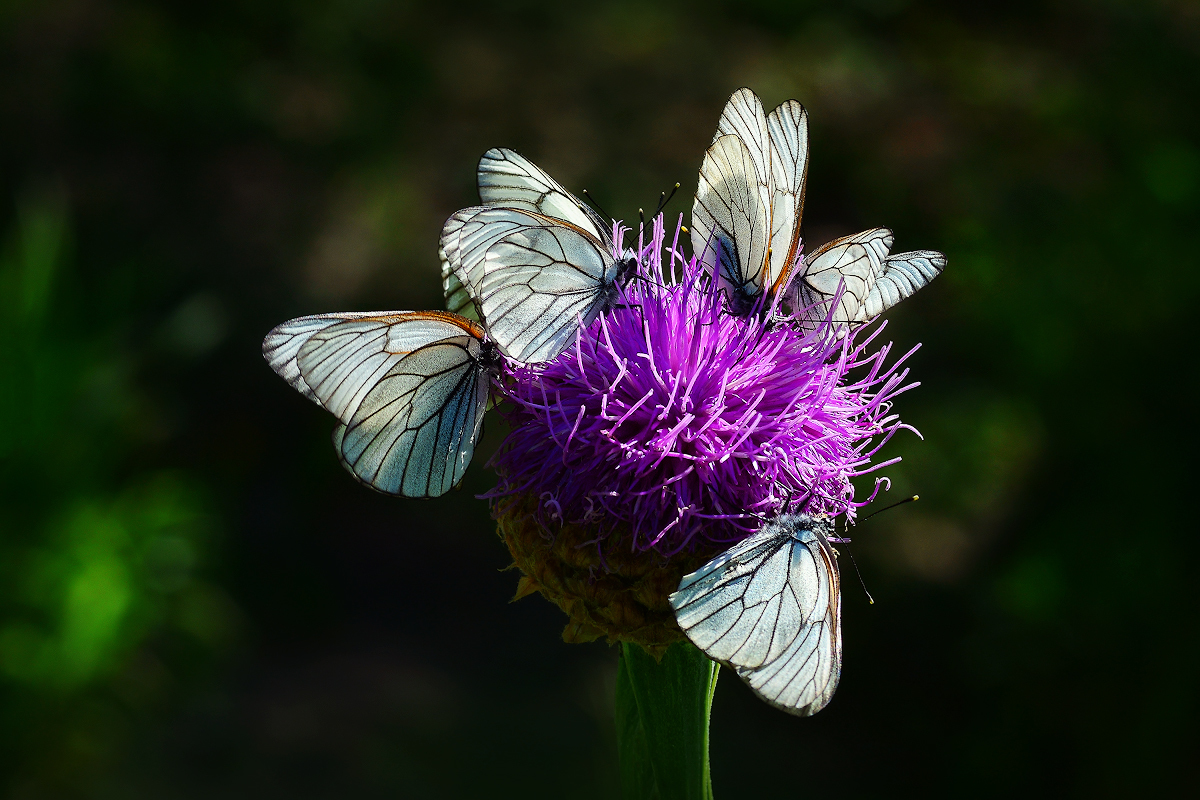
[(662, 723)]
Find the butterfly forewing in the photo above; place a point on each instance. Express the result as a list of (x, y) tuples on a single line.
[(787, 126), (414, 432), (342, 362), (804, 677), (509, 179), (769, 608), (540, 285), (730, 218), (458, 298), (745, 118), (281, 346), (903, 274)]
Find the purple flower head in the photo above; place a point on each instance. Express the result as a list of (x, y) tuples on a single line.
[(685, 425)]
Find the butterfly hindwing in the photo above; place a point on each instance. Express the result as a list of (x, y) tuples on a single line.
[(543, 284), (415, 431), (852, 262), (769, 608)]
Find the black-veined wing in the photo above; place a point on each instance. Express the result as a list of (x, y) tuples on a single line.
[(903, 274), (770, 608), (466, 237), (508, 179), (745, 118), (853, 261), (533, 278), (541, 284), (730, 220), (776, 147), (414, 433), (281, 346), (787, 126), (459, 299), (409, 390)]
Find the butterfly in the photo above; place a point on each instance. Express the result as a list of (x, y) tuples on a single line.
[(770, 608), (746, 225), (409, 390), (533, 263), (871, 281)]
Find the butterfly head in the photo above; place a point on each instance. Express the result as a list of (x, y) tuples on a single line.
[(626, 265), (489, 355)]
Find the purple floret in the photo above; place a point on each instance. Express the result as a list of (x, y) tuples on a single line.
[(686, 425)]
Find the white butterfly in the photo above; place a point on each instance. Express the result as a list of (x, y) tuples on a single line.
[(533, 263), (872, 281), (409, 390), (746, 224), (770, 608)]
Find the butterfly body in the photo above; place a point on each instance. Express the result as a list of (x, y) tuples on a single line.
[(770, 608)]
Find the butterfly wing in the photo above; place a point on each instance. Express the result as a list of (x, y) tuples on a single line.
[(856, 261), (769, 608), (903, 275), (509, 179), (745, 118), (540, 284), (787, 127), (803, 678), (466, 237), (281, 346), (747, 606), (459, 299), (415, 430), (730, 225)]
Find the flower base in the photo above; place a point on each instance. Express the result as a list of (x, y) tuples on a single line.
[(620, 593)]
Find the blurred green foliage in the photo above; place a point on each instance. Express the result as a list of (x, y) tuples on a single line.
[(99, 570), (196, 602)]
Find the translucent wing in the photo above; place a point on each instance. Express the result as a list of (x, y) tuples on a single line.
[(787, 126), (540, 283), (466, 237), (803, 679), (511, 180), (770, 608), (855, 260), (745, 118), (342, 363), (458, 298), (730, 226), (903, 274), (281, 346), (415, 430)]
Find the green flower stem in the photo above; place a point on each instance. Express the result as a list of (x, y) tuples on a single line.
[(662, 723)]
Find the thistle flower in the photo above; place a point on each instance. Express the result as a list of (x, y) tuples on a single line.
[(668, 431)]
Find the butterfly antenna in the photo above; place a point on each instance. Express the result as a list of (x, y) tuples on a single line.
[(592, 201), (861, 582), (914, 498)]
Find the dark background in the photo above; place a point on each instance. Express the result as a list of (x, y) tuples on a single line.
[(195, 600)]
